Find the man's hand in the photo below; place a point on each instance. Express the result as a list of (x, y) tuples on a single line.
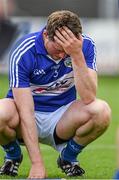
[(37, 171), (85, 79), (29, 130), (71, 44)]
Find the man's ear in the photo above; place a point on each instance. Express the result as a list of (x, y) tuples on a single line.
[(45, 34)]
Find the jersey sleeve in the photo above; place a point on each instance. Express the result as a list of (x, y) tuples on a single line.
[(90, 54), (20, 69)]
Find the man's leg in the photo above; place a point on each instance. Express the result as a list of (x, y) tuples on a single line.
[(9, 120), (82, 124)]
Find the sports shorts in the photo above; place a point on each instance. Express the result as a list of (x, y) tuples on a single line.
[(46, 123)]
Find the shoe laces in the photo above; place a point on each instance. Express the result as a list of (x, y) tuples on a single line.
[(73, 169), (10, 167)]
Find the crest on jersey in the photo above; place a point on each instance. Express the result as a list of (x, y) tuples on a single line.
[(68, 62)]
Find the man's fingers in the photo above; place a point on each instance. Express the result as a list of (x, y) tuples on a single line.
[(67, 31), (36, 177), (64, 33), (58, 40), (80, 38), (60, 35)]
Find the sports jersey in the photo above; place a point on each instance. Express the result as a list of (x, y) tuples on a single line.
[(51, 82)]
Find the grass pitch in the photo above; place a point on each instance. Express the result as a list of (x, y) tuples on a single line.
[(99, 158)]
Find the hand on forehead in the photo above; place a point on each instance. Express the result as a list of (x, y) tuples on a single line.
[(65, 31)]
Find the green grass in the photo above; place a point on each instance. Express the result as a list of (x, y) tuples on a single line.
[(3, 85), (98, 158)]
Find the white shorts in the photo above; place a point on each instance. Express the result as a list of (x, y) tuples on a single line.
[(46, 123)]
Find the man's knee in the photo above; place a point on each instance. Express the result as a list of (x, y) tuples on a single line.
[(101, 114), (8, 115), (4, 119)]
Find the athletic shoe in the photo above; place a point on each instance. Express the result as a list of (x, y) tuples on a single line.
[(10, 166), (70, 168)]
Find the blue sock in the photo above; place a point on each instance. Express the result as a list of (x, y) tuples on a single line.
[(71, 151), (13, 150), (116, 176)]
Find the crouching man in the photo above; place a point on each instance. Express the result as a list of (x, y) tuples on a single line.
[(47, 70)]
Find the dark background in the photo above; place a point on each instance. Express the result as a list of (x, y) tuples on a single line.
[(84, 8)]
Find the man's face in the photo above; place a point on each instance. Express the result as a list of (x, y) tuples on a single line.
[(53, 48)]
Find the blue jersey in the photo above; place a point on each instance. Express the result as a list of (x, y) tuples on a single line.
[(51, 82)]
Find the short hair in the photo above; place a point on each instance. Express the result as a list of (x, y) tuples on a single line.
[(62, 18)]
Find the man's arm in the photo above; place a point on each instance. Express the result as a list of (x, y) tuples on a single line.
[(25, 106), (85, 78)]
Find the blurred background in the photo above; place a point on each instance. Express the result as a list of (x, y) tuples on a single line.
[(100, 20)]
